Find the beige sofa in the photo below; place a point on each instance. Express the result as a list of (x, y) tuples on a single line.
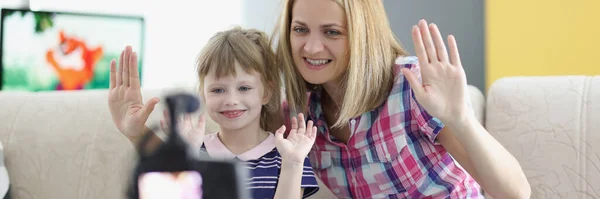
[(64, 145)]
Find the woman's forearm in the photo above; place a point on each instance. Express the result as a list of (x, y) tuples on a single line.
[(498, 171)]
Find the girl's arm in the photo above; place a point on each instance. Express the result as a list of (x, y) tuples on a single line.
[(294, 150), (289, 181)]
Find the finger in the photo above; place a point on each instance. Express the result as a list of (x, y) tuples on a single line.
[(439, 43), (166, 116), (119, 76), (113, 73), (148, 108), (180, 119), (125, 74), (419, 46), (279, 132), (413, 81), (202, 120), (187, 119), (427, 41), (294, 128), (163, 126), (309, 128), (454, 55), (313, 134), (301, 123), (294, 123), (202, 123), (134, 77)]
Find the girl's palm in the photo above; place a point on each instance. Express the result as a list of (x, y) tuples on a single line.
[(298, 143)]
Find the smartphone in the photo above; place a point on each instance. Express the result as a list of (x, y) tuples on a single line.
[(204, 179), (172, 171), (178, 185)]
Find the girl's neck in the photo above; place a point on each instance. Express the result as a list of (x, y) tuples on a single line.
[(243, 139)]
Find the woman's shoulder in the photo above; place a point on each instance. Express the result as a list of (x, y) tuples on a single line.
[(410, 62), (406, 60)]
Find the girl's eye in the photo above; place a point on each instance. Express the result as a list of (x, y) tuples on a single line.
[(217, 90), (244, 88)]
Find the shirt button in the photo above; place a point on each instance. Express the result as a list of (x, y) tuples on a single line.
[(352, 122), (388, 156)]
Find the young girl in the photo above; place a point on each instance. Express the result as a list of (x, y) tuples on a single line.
[(240, 88), (390, 125)]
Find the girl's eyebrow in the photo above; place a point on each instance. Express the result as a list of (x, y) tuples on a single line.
[(244, 82)]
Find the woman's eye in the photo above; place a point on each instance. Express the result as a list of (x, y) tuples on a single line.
[(300, 30), (333, 32)]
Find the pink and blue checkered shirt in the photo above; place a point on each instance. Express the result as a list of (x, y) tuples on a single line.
[(392, 151)]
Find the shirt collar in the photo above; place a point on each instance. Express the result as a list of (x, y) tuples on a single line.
[(216, 149)]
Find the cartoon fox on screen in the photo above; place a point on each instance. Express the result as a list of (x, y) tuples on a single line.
[(73, 62)]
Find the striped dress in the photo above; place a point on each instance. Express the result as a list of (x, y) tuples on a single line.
[(264, 163)]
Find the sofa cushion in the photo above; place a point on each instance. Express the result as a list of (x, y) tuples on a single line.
[(551, 125), (65, 145), (477, 102)]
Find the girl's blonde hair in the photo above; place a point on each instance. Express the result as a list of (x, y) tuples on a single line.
[(373, 50), (250, 49)]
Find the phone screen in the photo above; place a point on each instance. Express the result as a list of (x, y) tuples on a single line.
[(176, 185)]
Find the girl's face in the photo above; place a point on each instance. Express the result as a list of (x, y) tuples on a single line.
[(319, 40), (234, 102)]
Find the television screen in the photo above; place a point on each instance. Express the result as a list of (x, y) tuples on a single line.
[(44, 51)]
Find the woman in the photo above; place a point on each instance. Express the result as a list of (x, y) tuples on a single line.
[(390, 125)]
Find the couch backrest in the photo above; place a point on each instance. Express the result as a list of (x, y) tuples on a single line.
[(64, 144), (551, 125)]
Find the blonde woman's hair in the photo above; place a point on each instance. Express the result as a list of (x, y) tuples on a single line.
[(250, 49), (373, 50)]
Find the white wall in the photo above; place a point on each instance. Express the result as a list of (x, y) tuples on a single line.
[(260, 14)]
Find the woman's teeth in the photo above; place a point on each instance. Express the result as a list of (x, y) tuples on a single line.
[(317, 62)]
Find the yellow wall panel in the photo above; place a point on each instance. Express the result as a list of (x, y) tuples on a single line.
[(542, 37)]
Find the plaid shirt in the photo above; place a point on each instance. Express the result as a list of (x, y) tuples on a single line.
[(392, 151)]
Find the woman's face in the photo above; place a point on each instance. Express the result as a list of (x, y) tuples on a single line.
[(319, 40)]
